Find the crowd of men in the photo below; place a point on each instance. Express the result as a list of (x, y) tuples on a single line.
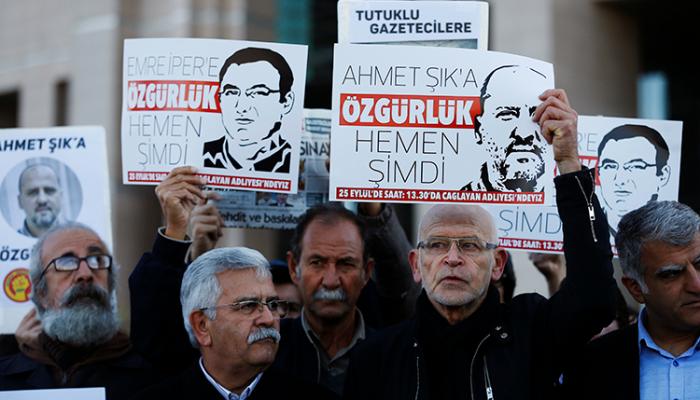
[(377, 317)]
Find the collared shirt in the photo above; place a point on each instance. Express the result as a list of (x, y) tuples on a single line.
[(661, 374), (332, 370), (229, 395)]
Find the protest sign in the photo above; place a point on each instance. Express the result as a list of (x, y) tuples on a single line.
[(230, 108), (50, 175), (429, 23), (440, 125), (241, 209), (634, 161)]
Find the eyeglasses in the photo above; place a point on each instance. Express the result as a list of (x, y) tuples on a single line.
[(439, 245), (72, 263), (250, 308), (633, 167), (252, 93)]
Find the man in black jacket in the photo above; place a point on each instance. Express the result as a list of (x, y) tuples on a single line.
[(231, 313), (78, 343), (464, 344)]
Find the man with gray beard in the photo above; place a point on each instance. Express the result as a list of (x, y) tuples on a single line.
[(232, 314), (74, 293)]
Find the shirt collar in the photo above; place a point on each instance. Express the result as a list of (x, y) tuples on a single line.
[(646, 342), (316, 341), (227, 394)]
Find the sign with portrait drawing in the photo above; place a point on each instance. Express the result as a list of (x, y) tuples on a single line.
[(634, 160), (50, 176), (463, 24), (439, 125), (230, 108), (246, 209)]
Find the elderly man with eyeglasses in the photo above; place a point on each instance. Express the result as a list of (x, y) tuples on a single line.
[(79, 344), (231, 314), (463, 343)]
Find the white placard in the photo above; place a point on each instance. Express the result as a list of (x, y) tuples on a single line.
[(635, 160), (231, 108), (50, 175), (434, 23), (410, 124), (245, 209), (55, 394)]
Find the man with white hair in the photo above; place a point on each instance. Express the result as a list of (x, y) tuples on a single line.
[(463, 343), (73, 289), (231, 313)]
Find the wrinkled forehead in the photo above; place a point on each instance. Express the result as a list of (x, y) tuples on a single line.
[(244, 283), (458, 221)]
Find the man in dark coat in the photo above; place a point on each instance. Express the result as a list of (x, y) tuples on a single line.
[(463, 343), (79, 344), (231, 313)]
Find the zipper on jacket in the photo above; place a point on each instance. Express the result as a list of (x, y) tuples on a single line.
[(589, 203), (489, 391), (487, 380), (415, 346)]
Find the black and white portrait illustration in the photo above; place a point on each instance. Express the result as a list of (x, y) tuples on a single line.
[(514, 147), (254, 94), (632, 167), (38, 193)]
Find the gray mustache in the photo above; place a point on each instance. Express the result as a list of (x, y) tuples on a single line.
[(264, 333), (332, 295)]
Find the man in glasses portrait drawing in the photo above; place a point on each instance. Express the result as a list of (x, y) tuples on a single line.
[(633, 167), (254, 95)]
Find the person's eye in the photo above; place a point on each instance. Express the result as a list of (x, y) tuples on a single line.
[(231, 92), (506, 115), (259, 93), (67, 262), (248, 307), (437, 244), (469, 246), (636, 166), (608, 166), (667, 275)]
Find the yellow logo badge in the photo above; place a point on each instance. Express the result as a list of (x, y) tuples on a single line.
[(17, 285)]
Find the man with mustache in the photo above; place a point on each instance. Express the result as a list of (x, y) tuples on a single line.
[(512, 141), (463, 343), (40, 199), (73, 290), (232, 315), (659, 356), (329, 262)]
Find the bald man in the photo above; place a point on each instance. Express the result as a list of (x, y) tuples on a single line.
[(40, 199), (462, 342), (514, 145)]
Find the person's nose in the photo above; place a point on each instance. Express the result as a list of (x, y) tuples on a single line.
[(693, 280), (525, 129), (265, 317), (453, 258), (331, 280), (83, 273), (243, 104), (42, 197)]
